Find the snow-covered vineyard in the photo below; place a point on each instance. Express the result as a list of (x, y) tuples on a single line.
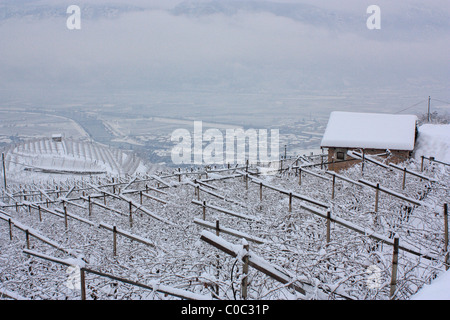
[(297, 233), (69, 156)]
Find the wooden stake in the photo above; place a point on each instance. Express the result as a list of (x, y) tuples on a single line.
[(89, 205), (290, 201), (27, 238), (83, 284), (10, 229), (299, 176), (130, 204), (362, 163), (394, 269), (245, 271), (377, 191), (217, 258), (446, 237), (40, 215), (65, 217), (421, 164), (4, 172), (204, 210), (404, 178), (328, 226), (332, 190), (260, 191), (114, 241)]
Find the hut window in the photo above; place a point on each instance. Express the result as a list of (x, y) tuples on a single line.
[(340, 155)]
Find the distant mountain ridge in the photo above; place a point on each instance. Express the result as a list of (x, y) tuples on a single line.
[(415, 19)]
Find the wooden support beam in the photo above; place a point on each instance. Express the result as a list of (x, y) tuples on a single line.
[(253, 260)]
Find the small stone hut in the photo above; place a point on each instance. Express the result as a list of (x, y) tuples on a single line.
[(390, 135)]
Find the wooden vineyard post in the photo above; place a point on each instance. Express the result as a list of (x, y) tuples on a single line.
[(65, 217), (332, 190), (10, 228), (4, 172), (328, 226), (290, 201), (404, 179), (245, 270), (140, 197), (40, 214), (179, 174), (377, 192), (217, 228), (114, 241), (394, 268), (27, 238), (246, 181), (104, 198), (421, 163), (260, 191), (89, 205), (446, 236), (82, 284), (218, 258), (197, 190), (362, 163), (130, 204), (300, 176), (204, 210)]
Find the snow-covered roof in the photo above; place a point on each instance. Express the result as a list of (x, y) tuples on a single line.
[(370, 131)]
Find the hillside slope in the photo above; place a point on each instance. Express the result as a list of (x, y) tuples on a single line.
[(46, 157)]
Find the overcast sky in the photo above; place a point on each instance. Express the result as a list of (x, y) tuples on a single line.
[(251, 46)]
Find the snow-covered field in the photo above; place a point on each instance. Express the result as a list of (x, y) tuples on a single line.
[(62, 159), (287, 235)]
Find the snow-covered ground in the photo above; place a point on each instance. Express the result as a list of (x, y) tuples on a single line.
[(433, 141), (170, 253), (438, 289)]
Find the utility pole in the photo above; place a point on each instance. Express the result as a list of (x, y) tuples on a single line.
[(4, 171), (429, 99)]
